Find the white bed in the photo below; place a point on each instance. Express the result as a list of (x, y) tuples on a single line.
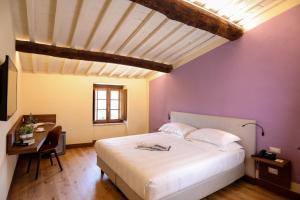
[(190, 170)]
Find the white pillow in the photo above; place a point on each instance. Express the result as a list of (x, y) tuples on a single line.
[(231, 147), (214, 136), (177, 128)]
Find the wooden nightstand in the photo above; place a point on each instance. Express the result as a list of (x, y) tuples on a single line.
[(272, 172)]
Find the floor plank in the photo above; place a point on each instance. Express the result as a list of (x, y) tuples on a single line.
[(81, 180)]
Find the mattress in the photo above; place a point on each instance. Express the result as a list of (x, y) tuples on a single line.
[(156, 174)]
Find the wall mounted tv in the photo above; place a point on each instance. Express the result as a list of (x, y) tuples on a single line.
[(8, 89)]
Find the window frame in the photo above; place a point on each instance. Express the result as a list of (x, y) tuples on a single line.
[(108, 89)]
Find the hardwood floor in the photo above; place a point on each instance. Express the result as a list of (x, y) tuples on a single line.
[(81, 180)]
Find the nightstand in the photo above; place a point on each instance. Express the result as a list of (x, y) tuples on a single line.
[(273, 172)]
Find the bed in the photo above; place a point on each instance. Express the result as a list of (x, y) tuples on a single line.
[(190, 170)]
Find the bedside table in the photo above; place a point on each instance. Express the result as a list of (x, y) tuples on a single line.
[(273, 172)]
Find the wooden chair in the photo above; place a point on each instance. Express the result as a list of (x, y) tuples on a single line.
[(48, 147)]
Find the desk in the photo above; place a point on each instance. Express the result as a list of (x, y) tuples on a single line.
[(39, 140), (40, 137)]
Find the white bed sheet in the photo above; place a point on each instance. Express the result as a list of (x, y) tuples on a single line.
[(156, 174)]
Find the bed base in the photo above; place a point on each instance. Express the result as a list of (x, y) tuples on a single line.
[(194, 192)]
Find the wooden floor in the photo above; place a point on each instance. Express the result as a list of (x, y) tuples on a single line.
[(81, 180)]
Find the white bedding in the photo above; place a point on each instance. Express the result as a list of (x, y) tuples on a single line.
[(156, 174)]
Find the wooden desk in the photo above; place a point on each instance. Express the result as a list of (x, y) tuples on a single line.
[(40, 137)]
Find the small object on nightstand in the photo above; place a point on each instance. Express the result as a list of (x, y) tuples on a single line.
[(267, 155), (276, 172), (279, 160)]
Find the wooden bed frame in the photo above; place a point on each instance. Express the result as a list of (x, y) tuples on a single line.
[(212, 184)]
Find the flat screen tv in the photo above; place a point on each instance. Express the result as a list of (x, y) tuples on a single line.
[(8, 89)]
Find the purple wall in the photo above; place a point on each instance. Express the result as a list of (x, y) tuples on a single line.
[(256, 77)]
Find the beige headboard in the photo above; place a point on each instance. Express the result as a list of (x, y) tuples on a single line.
[(232, 125)]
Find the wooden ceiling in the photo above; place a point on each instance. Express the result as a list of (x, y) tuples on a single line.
[(119, 27), (239, 12)]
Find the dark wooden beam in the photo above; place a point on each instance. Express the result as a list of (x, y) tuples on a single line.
[(192, 15), (62, 52)]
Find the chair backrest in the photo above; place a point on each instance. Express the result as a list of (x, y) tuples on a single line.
[(53, 136)]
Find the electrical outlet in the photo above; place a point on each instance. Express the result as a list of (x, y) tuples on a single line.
[(273, 171), (274, 149)]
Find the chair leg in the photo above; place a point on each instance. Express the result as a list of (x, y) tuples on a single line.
[(58, 161), (38, 166), (29, 164), (102, 173), (50, 157)]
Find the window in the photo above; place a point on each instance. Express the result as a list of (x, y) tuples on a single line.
[(109, 104)]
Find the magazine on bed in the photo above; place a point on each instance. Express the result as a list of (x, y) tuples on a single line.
[(153, 147)]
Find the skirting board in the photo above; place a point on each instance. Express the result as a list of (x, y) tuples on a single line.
[(80, 145), (295, 187), (276, 189)]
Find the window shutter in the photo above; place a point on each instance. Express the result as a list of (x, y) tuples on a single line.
[(124, 104)]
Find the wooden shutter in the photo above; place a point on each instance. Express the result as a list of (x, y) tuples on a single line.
[(124, 104)]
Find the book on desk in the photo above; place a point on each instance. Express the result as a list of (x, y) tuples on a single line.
[(25, 142)]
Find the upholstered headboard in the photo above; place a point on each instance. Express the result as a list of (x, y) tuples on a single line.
[(232, 125)]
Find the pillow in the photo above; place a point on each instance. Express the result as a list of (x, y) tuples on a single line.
[(231, 147), (177, 128), (214, 136)]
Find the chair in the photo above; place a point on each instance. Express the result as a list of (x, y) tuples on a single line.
[(48, 147)]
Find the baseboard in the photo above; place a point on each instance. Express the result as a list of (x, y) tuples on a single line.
[(274, 188), (249, 179), (9, 190), (79, 145), (295, 187)]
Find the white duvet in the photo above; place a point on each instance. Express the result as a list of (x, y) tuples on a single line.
[(156, 174)]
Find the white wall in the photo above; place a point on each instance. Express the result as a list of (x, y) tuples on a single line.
[(7, 47), (71, 97)]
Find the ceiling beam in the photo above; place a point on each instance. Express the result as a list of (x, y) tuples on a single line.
[(159, 42), (173, 44), (30, 11), (76, 67), (143, 74), (87, 72), (134, 73), (62, 52), (136, 31), (124, 72), (192, 15), (63, 66), (183, 44), (102, 70), (202, 38), (186, 51), (74, 24), (149, 36), (113, 71), (118, 25), (34, 63), (98, 22)]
